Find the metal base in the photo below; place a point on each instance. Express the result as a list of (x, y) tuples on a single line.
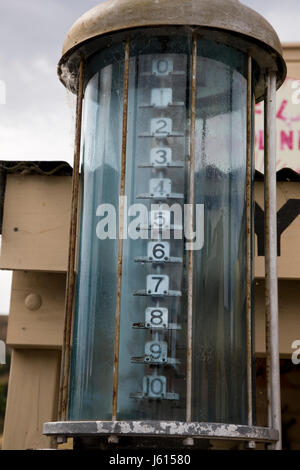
[(175, 429)]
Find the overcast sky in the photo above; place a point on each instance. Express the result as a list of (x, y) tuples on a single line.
[(36, 121)]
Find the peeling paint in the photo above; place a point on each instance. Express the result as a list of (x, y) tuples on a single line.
[(161, 428)]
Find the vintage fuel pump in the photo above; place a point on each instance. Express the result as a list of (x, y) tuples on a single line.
[(158, 339)]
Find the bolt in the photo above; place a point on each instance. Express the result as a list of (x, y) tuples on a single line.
[(61, 440), (189, 441), (33, 301), (113, 439)]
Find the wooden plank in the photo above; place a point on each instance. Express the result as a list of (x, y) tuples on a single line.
[(289, 319), (33, 327), (32, 399), (289, 259), (36, 223), (291, 53)]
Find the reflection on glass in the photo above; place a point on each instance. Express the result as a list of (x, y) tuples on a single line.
[(219, 344), (93, 343)]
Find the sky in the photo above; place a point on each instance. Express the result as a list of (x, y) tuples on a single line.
[(36, 112)]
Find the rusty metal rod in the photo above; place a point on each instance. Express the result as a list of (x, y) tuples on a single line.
[(71, 277), (267, 243), (249, 166), (271, 282), (191, 226), (121, 228)]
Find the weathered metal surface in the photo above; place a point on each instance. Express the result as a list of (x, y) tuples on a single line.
[(71, 277), (116, 15), (161, 428), (191, 227), (121, 229), (229, 16), (249, 166), (271, 283)]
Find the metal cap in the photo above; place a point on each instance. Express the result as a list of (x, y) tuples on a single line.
[(229, 16)]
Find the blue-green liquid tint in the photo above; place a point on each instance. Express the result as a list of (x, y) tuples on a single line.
[(153, 386), (219, 316), (93, 343)]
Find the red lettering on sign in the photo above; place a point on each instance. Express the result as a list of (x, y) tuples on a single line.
[(261, 142), (279, 114), (258, 109), (286, 140)]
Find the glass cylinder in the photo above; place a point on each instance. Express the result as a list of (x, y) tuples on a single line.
[(152, 378)]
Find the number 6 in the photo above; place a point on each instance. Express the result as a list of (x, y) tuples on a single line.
[(158, 251)]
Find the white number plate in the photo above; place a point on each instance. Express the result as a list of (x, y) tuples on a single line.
[(157, 284), (154, 386), (158, 251), (161, 156), (156, 317), (160, 219), (162, 66), (161, 97), (161, 127), (156, 351), (160, 186)]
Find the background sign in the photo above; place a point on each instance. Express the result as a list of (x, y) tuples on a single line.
[(288, 128)]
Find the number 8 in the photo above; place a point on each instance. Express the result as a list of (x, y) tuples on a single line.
[(156, 317)]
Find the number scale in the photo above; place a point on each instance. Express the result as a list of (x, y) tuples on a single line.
[(157, 319)]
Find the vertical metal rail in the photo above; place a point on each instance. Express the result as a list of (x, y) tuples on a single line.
[(191, 226), (271, 282), (249, 242), (71, 278), (121, 228)]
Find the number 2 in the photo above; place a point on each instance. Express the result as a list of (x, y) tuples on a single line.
[(161, 126)]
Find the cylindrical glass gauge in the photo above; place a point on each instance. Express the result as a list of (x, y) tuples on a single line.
[(152, 345)]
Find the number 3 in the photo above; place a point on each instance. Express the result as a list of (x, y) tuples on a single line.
[(161, 156)]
